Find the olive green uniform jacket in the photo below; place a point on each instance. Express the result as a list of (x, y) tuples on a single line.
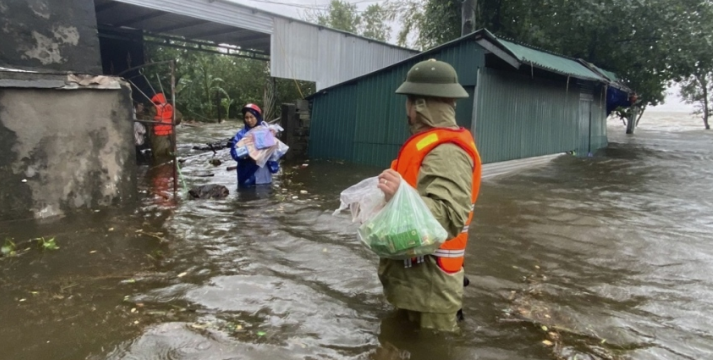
[(431, 296)]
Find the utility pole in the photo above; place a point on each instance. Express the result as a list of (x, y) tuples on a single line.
[(468, 16)]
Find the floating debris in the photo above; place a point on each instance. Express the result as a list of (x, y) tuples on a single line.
[(212, 191)]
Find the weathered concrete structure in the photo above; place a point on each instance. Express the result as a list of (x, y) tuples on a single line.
[(49, 34), (66, 142)]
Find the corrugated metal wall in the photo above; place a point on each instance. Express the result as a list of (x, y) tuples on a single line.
[(306, 52), (365, 121), (520, 117), (332, 124), (217, 12)]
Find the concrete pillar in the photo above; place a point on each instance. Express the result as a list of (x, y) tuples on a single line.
[(66, 143)]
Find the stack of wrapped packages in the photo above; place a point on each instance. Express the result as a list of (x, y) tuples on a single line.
[(261, 144)]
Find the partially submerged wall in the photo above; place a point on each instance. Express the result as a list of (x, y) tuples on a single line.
[(56, 35), (64, 144)]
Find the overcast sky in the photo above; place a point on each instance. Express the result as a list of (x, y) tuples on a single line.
[(297, 9)]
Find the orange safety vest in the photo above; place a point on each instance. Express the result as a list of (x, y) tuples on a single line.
[(451, 254), (164, 115)]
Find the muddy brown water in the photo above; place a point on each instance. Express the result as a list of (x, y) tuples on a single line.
[(612, 255)]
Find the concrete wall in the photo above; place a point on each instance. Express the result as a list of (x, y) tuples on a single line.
[(63, 149), (49, 34)]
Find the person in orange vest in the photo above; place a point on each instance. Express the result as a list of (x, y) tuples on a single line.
[(442, 163), (161, 133)]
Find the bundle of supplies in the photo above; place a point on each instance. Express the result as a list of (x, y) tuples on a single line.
[(261, 145), (401, 229)]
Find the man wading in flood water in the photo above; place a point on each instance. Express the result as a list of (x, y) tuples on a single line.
[(442, 163)]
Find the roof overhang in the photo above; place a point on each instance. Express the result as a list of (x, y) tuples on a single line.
[(226, 26), (517, 55), (296, 49)]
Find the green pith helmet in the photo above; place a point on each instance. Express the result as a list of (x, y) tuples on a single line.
[(432, 78)]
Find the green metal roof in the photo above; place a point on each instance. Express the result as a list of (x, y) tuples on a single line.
[(548, 61), (523, 55), (610, 75)]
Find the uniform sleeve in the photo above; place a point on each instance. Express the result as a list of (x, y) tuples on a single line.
[(445, 183)]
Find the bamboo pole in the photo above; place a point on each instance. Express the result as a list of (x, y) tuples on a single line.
[(173, 127)]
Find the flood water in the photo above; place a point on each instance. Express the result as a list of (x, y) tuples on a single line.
[(607, 257)]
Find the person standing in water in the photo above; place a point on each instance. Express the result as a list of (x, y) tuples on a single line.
[(163, 129), (442, 163), (248, 172)]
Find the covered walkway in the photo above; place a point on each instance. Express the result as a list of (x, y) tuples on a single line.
[(296, 49)]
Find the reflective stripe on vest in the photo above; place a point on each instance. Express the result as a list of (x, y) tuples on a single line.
[(451, 254), (164, 114)]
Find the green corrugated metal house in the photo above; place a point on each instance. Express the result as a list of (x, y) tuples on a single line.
[(524, 102)]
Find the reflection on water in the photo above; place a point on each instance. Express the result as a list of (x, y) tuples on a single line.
[(599, 258)]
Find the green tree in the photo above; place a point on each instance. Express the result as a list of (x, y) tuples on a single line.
[(207, 82), (695, 62), (639, 40), (342, 15), (374, 24), (698, 90)]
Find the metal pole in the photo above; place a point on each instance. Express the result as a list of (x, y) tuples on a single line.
[(173, 126), (159, 80), (137, 88), (148, 82)]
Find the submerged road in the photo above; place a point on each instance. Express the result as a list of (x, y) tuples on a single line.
[(607, 257)]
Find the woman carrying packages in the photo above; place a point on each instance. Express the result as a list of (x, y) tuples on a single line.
[(248, 171)]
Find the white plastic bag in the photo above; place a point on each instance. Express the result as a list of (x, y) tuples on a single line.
[(401, 229), (364, 200)]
